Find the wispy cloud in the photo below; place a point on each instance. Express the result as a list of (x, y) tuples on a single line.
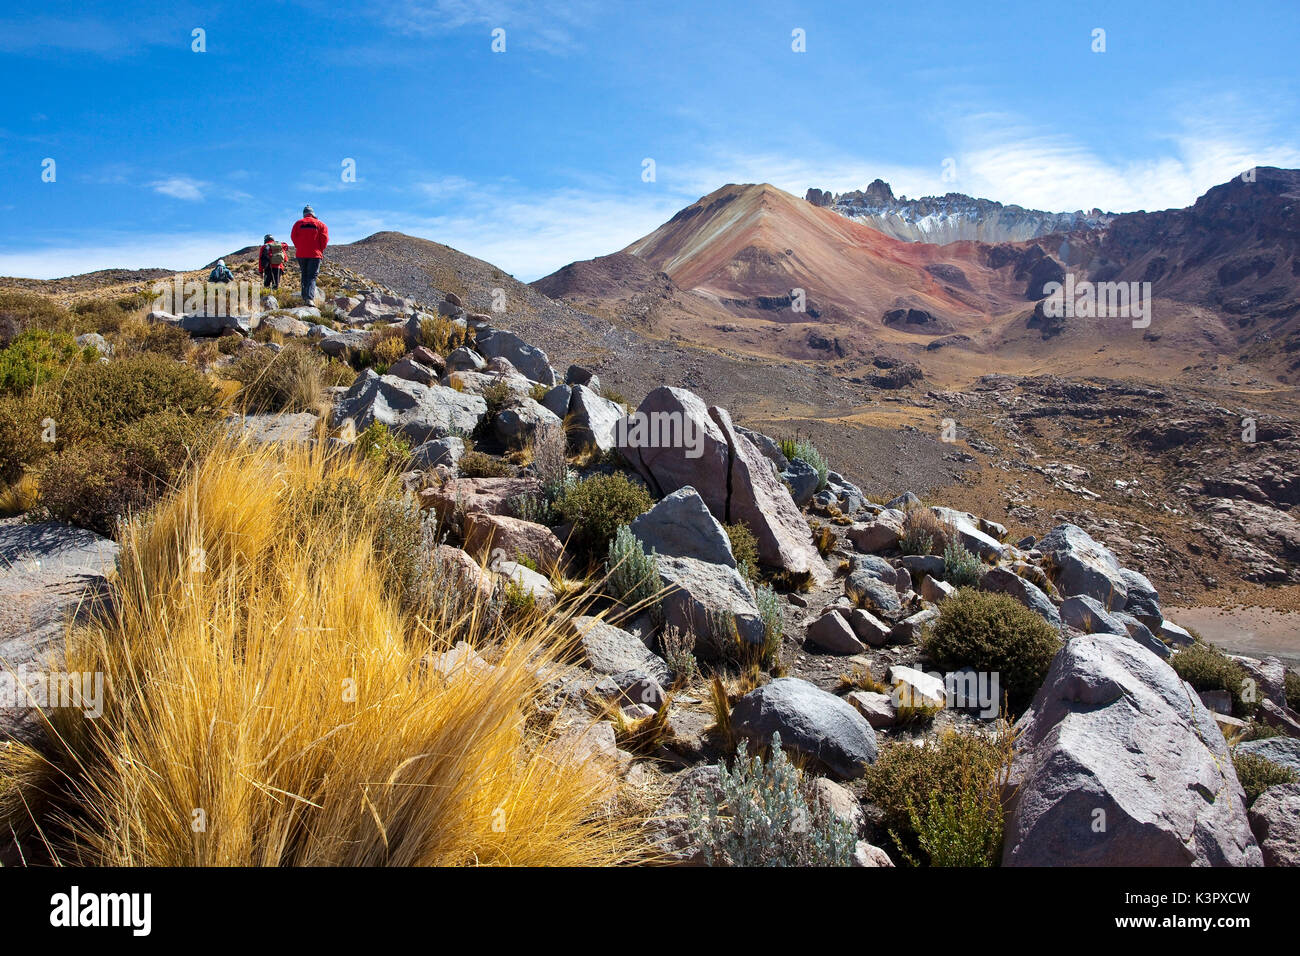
[(180, 187), (546, 25)]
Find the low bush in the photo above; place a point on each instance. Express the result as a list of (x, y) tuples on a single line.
[(1207, 668), (961, 568), (1257, 774), (1292, 684), (764, 817), (95, 483), (23, 311), (36, 356), (476, 464), (996, 634), (744, 548), (632, 575), (381, 446), (597, 505), (769, 609), (941, 801)]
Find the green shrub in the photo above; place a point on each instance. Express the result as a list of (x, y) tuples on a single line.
[(1257, 774), (961, 568), (476, 464), (36, 356), (161, 338), (383, 447), (290, 380), (943, 798), (993, 633), (1207, 668), (769, 609), (633, 575), (93, 403), (95, 483), (744, 547), (596, 506), (1292, 684), (768, 818), (804, 450), (98, 398)]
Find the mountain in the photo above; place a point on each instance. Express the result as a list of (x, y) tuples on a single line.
[(951, 217), (1224, 274)]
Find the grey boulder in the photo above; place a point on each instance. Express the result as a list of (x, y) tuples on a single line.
[(812, 722)]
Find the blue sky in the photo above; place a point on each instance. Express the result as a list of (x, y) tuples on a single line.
[(533, 157)]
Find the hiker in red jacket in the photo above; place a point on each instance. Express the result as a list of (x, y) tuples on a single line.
[(310, 237), (271, 261)]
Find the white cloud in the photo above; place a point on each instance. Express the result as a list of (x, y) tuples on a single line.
[(180, 187)]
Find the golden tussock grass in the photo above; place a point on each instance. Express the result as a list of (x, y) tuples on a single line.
[(271, 700)]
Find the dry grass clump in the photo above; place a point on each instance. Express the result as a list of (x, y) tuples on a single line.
[(270, 700)]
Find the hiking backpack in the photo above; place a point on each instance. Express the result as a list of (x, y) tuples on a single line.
[(276, 255)]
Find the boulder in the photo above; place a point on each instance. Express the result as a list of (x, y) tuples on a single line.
[(338, 344), (837, 801), (802, 479), (505, 538), (877, 708), (515, 423), (1005, 581), (911, 628), (411, 370), (556, 401), (290, 427), (1275, 820), (868, 855), (611, 650), (812, 723), (681, 526), (1118, 764), (769, 447), (203, 323), (699, 598), (1175, 636), (880, 534), (592, 419), (869, 592), (465, 359), (286, 325), (671, 828), (1142, 601), (832, 633), (916, 688), (1283, 751), (674, 440), (529, 359), (528, 581), (934, 590), (1081, 566), (417, 412), (467, 495), (577, 375), (1087, 614), (52, 574), (868, 628), (930, 564), (973, 539), (440, 451), (458, 569)]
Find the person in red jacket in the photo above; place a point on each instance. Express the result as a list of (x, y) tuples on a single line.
[(310, 237), (271, 261)]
